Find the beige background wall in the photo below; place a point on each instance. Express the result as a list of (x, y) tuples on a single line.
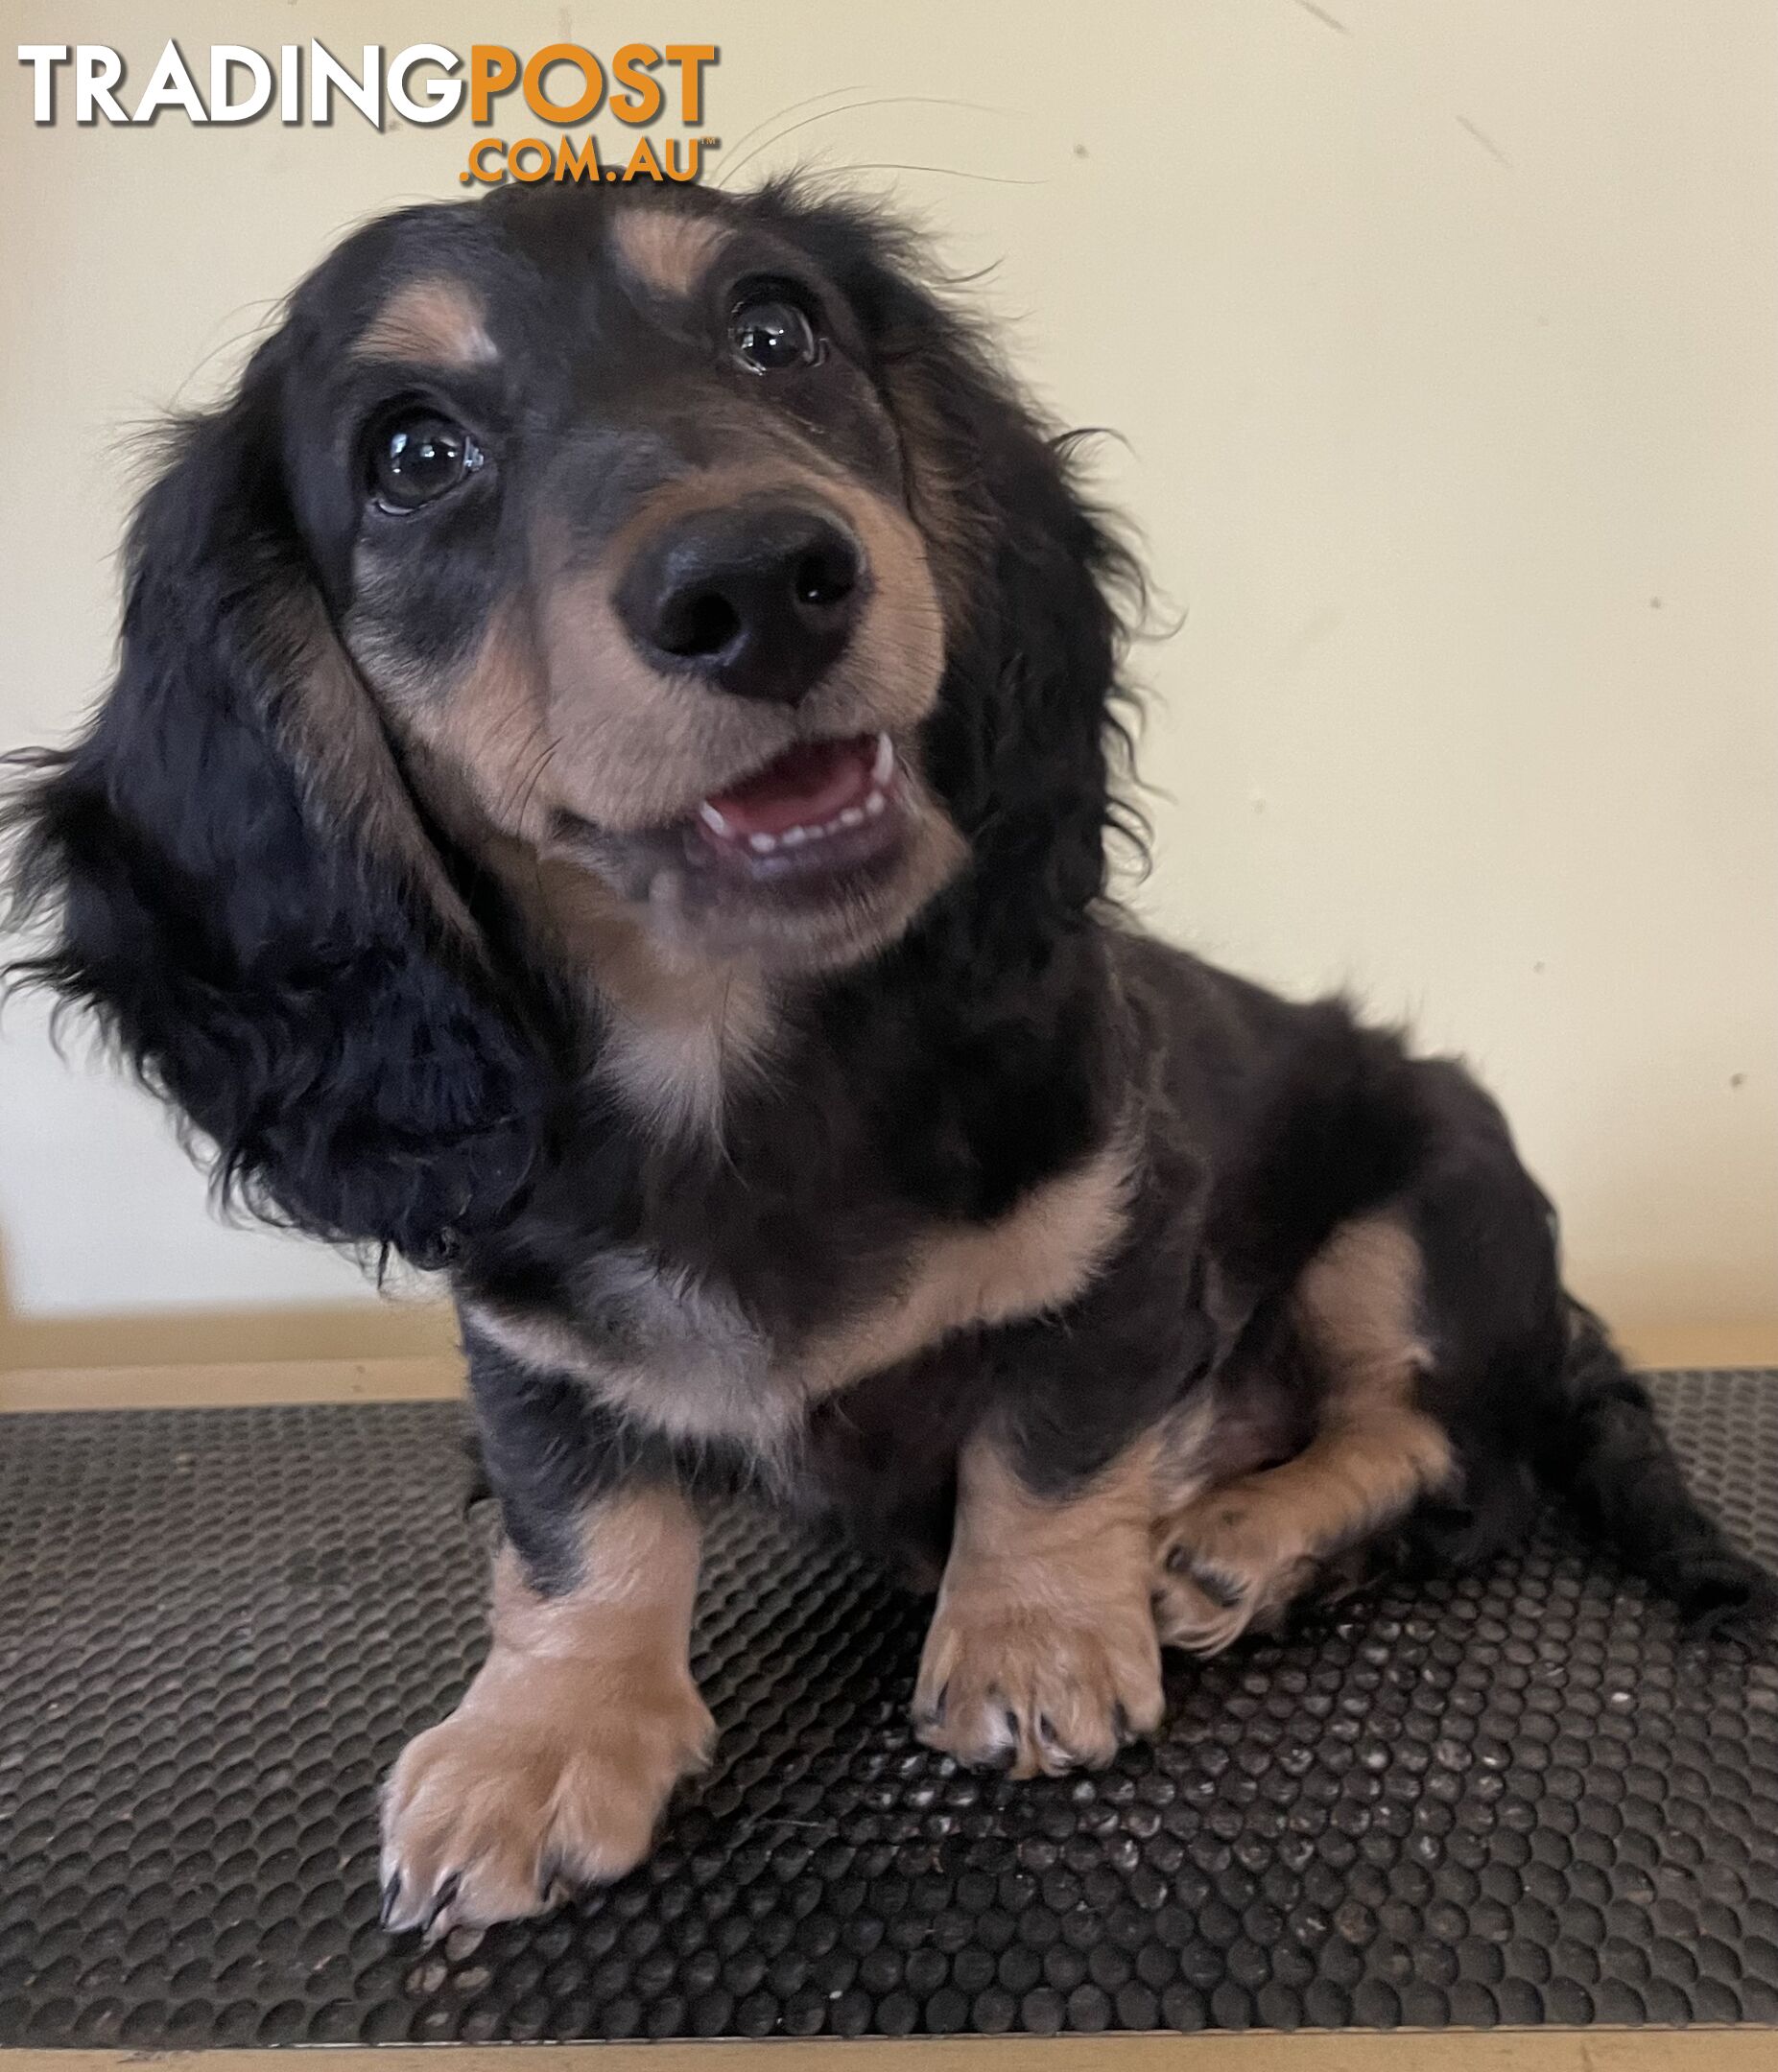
[(1442, 334)]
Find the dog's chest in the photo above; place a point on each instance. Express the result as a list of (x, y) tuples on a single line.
[(679, 1349), (710, 1352)]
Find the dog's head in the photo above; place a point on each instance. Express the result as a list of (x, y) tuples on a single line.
[(677, 547)]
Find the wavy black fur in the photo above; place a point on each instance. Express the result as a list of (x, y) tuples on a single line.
[(282, 987)]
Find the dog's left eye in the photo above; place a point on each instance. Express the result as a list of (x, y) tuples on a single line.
[(769, 332), (416, 457)]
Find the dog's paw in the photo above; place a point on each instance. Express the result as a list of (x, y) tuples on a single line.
[(550, 1776), (1001, 1687), (1223, 1565)]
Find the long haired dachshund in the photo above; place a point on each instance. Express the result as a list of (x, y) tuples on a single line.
[(605, 793)]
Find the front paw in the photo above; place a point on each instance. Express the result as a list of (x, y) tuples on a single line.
[(1223, 1565), (549, 1776), (1005, 1688)]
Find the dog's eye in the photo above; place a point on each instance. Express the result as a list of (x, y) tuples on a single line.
[(417, 456), (769, 332)]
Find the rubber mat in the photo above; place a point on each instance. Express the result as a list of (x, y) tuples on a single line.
[(1511, 1797)]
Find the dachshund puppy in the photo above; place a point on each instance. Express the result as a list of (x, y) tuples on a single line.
[(605, 793)]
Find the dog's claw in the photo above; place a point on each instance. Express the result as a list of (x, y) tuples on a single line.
[(1040, 1699), (432, 1920), (1220, 1589), (391, 1898)]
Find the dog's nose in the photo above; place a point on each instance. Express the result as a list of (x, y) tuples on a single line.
[(759, 599)]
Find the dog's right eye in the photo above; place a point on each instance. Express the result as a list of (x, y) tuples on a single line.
[(416, 456)]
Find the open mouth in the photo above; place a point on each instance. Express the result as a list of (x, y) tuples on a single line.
[(810, 861), (821, 806)]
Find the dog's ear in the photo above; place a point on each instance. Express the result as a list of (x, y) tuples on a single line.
[(235, 879), (1027, 741), (1032, 728)]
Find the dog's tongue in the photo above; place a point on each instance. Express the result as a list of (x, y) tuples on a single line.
[(806, 785)]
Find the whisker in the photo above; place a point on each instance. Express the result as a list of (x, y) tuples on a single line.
[(264, 308), (857, 107), (723, 1150), (537, 769), (990, 180), (832, 93)]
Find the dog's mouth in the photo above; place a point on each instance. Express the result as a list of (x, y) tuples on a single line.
[(821, 809), (811, 860)]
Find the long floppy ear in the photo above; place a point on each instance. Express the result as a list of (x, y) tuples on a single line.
[(1031, 733), (236, 882)]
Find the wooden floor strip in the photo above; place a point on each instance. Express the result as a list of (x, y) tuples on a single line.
[(205, 1388), (1492, 2050)]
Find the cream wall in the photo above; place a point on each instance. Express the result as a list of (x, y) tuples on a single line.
[(1442, 334)]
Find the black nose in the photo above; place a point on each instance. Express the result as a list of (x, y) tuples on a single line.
[(758, 598)]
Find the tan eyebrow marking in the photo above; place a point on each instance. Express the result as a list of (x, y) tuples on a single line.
[(440, 323), (666, 249)]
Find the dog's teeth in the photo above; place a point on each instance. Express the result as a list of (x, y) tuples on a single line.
[(853, 816), (874, 803), (883, 767), (713, 819), (762, 843), (791, 836)]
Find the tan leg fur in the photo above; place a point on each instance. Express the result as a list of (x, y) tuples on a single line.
[(1242, 1551), (1042, 1653), (553, 1771)]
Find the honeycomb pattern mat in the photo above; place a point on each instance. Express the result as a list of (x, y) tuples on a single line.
[(1512, 1797)]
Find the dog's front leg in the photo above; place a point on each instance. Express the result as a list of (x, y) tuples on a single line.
[(1042, 1653), (553, 1769)]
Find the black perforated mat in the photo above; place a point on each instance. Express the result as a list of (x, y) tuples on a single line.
[(1514, 1798)]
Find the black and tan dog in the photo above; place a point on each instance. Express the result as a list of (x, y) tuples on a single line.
[(606, 792)]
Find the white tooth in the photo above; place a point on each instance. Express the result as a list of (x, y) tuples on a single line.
[(853, 816), (791, 836), (883, 767), (712, 819), (763, 843), (875, 803)]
